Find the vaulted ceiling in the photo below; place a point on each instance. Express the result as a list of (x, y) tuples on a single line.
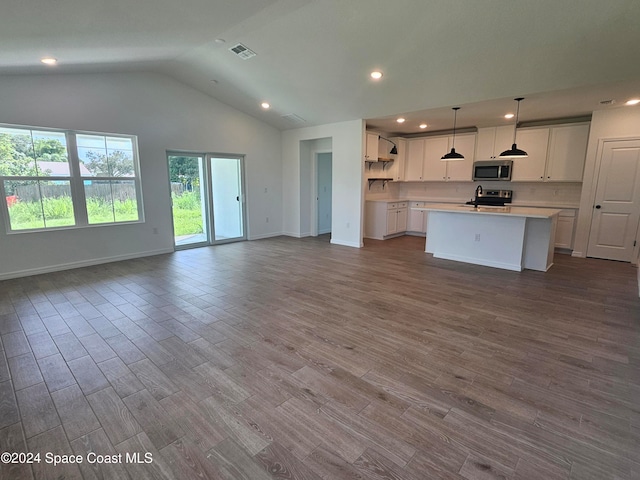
[(313, 58)]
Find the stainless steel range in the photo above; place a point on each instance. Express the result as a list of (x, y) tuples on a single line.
[(493, 197)]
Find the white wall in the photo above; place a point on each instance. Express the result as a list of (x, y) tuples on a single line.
[(165, 115), (347, 145), (615, 123)]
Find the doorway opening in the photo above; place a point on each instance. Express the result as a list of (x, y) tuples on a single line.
[(323, 193), (207, 198)]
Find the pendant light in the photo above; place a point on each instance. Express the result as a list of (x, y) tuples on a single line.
[(394, 149), (514, 151), (453, 155)]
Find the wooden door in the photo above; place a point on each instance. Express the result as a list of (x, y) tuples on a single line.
[(616, 211)]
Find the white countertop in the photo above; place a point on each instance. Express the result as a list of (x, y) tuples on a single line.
[(531, 212)]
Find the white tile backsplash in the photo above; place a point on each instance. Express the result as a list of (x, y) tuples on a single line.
[(565, 195)]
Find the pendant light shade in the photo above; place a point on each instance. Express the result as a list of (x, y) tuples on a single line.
[(514, 151), (394, 149), (453, 155)]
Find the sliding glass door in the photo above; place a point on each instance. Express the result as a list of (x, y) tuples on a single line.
[(226, 183), (207, 199), (189, 200)]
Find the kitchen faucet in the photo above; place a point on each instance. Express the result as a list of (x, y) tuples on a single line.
[(478, 192)]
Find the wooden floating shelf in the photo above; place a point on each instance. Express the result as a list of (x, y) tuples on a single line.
[(384, 161)]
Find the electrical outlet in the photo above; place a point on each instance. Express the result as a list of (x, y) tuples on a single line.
[(267, 219), (348, 224), (477, 237), (155, 231), (265, 189)]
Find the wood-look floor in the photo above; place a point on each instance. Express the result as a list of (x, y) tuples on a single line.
[(298, 359)]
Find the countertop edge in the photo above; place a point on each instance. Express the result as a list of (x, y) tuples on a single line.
[(515, 211)]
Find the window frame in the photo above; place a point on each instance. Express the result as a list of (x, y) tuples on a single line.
[(76, 182)]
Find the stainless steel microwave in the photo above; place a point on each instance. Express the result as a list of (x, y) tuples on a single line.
[(493, 170)]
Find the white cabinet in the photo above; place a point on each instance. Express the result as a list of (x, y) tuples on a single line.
[(535, 142), (462, 170), (433, 168), (397, 168), (424, 159), (396, 218), (383, 219), (417, 222), (492, 141), (556, 154), (371, 152), (414, 160), (564, 229), (567, 152)]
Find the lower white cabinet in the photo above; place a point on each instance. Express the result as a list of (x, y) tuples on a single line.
[(385, 219), (564, 229), (417, 219)]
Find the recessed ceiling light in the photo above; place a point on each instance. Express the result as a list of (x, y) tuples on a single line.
[(220, 40), (633, 101), (376, 75), (423, 125), (509, 115), (49, 60), (400, 120), (265, 105)]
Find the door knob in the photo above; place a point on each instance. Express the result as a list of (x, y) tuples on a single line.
[(598, 207)]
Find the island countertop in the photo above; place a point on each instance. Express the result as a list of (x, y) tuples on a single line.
[(529, 212)]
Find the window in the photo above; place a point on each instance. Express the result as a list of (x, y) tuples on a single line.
[(64, 179)]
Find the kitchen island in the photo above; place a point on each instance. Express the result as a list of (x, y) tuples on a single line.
[(512, 238)]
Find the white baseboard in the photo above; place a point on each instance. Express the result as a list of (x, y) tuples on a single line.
[(575, 253), (347, 244), (83, 263), (479, 261), (266, 235), (292, 234)]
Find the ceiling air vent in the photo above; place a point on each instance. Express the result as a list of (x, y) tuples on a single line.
[(607, 102), (242, 51), (294, 119)]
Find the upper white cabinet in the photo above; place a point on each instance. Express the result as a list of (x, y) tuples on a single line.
[(424, 159), (371, 152), (397, 170), (462, 170), (492, 141), (567, 152), (433, 168), (414, 160), (535, 142), (556, 154)]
